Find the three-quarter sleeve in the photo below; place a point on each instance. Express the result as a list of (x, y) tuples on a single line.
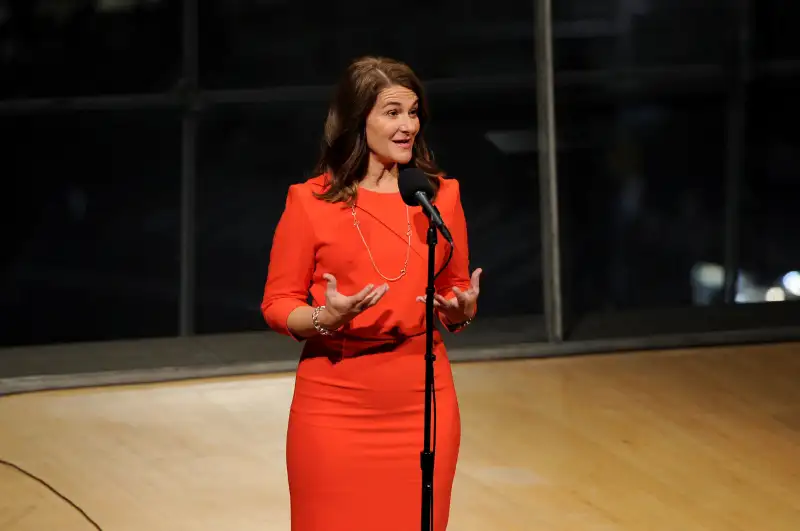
[(457, 272), (291, 264)]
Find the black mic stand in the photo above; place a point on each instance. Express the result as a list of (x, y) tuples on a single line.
[(427, 455)]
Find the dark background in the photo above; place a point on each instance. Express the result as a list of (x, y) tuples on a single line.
[(148, 146)]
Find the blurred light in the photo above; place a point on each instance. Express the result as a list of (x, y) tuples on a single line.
[(741, 298), (709, 275), (513, 142), (791, 281), (775, 294), (110, 6)]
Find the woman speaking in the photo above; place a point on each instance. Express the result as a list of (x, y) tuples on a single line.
[(347, 275)]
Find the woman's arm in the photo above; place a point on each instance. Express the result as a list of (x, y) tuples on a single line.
[(291, 267), (456, 274)]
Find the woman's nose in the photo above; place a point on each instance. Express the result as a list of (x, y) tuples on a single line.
[(407, 124)]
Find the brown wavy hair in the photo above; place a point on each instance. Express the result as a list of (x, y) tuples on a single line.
[(345, 155)]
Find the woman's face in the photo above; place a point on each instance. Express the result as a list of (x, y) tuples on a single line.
[(392, 125)]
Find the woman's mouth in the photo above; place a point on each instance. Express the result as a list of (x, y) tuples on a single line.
[(403, 143)]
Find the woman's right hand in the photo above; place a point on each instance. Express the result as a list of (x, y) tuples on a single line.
[(341, 309)]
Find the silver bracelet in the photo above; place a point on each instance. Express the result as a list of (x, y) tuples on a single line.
[(315, 320)]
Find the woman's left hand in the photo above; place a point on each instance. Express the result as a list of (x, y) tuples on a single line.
[(463, 306)]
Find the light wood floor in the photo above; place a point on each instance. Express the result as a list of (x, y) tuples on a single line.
[(685, 440)]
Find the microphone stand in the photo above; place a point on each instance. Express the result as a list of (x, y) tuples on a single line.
[(427, 455)]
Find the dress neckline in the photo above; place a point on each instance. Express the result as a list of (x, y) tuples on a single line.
[(375, 192)]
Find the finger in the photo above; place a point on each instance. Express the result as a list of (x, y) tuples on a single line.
[(374, 299), (359, 305), (331, 281), (363, 304), (460, 295), (361, 295), (465, 297), (379, 293), (475, 280), (446, 303), (424, 298)]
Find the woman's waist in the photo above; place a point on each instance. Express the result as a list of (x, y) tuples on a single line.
[(372, 363), (363, 342)]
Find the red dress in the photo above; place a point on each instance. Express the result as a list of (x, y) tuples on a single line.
[(356, 422)]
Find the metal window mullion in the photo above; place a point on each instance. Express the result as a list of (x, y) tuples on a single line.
[(736, 158), (548, 181), (186, 303)]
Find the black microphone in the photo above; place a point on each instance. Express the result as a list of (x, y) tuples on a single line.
[(417, 190)]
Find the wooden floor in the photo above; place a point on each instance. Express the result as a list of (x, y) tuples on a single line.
[(685, 440)]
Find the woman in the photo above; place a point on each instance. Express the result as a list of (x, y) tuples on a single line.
[(347, 238)]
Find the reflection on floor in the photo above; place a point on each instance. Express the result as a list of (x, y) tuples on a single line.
[(703, 439)]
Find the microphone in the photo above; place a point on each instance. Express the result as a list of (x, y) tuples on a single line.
[(417, 190)]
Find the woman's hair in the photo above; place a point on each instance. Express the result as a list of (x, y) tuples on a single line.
[(345, 154)]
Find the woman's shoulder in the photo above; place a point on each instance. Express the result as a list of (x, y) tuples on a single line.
[(305, 191), (310, 186), (449, 189)]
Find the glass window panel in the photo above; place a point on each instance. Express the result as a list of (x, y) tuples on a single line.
[(642, 188), (592, 35), (91, 239), (646, 126), (79, 48), (773, 26), (770, 254), (245, 44)]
